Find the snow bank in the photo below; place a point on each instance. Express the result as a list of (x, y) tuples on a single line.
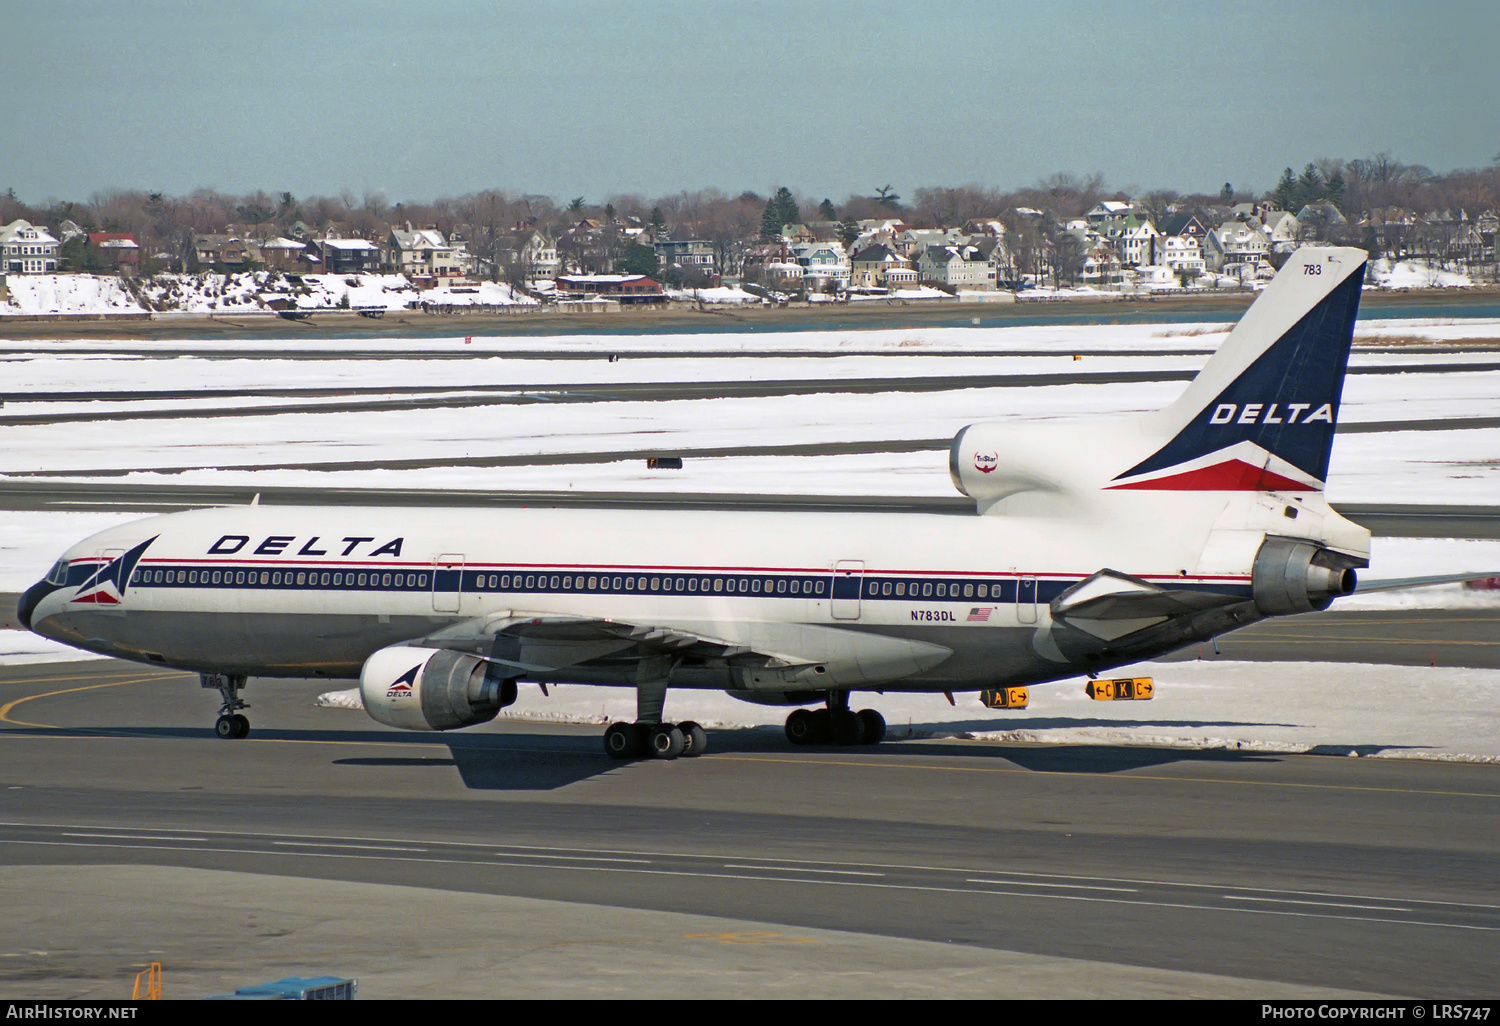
[(243, 292), (487, 293), (1413, 274), (729, 294), (44, 294)]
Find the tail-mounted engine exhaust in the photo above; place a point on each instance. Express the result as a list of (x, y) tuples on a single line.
[(1292, 575)]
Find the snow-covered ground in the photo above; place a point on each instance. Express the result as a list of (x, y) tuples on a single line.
[(731, 295), (36, 294), (1455, 466), (240, 293), (1414, 274)]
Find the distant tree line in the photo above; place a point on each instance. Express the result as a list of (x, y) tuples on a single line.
[(164, 224)]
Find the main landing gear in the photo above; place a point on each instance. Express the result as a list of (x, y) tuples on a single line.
[(231, 724), (648, 735), (836, 724), (657, 740)]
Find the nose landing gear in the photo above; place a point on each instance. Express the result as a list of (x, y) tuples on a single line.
[(231, 724)]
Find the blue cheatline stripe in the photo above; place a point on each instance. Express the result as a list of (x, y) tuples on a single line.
[(870, 588)]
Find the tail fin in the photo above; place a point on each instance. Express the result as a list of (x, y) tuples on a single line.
[(1260, 416)]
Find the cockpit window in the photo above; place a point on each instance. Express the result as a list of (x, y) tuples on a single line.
[(59, 572)]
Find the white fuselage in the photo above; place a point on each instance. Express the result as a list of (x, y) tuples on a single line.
[(298, 591)]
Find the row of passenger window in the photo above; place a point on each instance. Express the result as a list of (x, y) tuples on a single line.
[(997, 591), (281, 579), (479, 581), (686, 585)]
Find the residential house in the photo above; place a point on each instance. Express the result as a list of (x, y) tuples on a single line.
[(955, 267), (218, 252), (1465, 242), (823, 263), (773, 264), (912, 242), (628, 289), (1107, 210), (694, 256), (873, 266), (26, 248), (348, 256), (1320, 220), (1487, 224), (998, 255), (283, 254), (115, 252), (1101, 263), (1236, 247), (826, 231), (1391, 229), (531, 254), (1185, 225), (1282, 229), (1137, 244), (590, 247), (877, 232), (1182, 254), (422, 253)]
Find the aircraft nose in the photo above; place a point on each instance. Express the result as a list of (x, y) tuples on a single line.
[(29, 599)]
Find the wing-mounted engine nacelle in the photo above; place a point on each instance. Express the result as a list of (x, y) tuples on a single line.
[(432, 689), (1292, 575)]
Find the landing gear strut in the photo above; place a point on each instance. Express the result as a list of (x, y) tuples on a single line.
[(836, 724), (231, 724), (648, 735)]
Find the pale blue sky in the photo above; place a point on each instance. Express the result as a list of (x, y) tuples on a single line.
[(588, 97)]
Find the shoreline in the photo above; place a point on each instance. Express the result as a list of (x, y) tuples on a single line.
[(684, 318)]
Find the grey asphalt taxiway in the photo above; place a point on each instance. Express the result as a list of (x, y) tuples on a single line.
[(517, 859)]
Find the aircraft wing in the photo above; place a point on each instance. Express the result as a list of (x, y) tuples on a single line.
[(784, 656)]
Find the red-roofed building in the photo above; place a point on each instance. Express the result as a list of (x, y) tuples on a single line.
[(116, 251), (629, 289)]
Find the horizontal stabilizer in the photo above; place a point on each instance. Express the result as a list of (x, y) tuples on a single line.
[(1402, 583)]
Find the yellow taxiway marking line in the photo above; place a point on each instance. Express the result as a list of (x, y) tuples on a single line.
[(77, 677), (117, 733), (8, 706)]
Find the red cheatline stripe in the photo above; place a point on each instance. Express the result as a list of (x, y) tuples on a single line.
[(98, 598), (1229, 476)]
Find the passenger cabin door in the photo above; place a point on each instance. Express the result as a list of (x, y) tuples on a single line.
[(1026, 600), (848, 583), (447, 582)]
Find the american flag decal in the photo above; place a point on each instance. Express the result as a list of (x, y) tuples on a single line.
[(980, 614)]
